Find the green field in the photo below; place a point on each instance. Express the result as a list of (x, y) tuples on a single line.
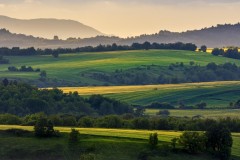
[(206, 113), (109, 143), (215, 94), (71, 67)]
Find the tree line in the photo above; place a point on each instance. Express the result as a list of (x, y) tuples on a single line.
[(125, 121), (16, 51), (232, 52)]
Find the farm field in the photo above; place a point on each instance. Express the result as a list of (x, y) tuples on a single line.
[(71, 67), (103, 139), (206, 113), (215, 94)]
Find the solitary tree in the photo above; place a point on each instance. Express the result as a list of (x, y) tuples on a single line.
[(204, 48), (153, 140), (43, 74)]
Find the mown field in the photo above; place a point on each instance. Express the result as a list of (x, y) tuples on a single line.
[(109, 143), (71, 67), (215, 94)]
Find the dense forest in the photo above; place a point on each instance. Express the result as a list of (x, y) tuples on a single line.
[(16, 51), (22, 99)]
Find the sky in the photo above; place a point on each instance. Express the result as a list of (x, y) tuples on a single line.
[(129, 17)]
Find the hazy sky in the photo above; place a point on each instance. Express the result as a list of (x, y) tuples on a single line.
[(129, 17)]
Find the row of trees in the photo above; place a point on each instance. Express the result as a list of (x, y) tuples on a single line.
[(16, 51), (129, 121), (230, 52), (23, 69)]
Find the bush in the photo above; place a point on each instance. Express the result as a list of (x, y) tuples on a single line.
[(44, 128), (163, 113), (153, 140)]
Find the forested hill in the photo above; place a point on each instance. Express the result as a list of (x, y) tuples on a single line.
[(219, 36)]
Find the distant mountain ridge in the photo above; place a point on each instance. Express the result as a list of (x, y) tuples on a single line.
[(48, 28), (218, 36)]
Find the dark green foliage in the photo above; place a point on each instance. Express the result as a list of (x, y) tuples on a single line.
[(174, 143), (174, 74), (203, 48), (193, 142), (44, 128), (153, 140), (73, 137), (22, 69), (22, 99), (158, 105), (230, 53), (163, 113), (10, 119), (220, 141), (43, 75), (100, 48)]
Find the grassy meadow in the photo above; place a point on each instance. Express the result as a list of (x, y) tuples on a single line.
[(215, 94), (71, 67), (109, 143)]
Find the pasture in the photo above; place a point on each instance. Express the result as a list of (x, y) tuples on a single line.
[(72, 67), (110, 142), (215, 94)]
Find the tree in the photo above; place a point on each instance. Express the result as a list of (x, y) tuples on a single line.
[(44, 128), (55, 54), (153, 140), (193, 142), (204, 48), (43, 74), (220, 141), (73, 141), (5, 82), (146, 45), (164, 113)]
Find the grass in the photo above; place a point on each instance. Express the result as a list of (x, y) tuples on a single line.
[(215, 94), (213, 113), (70, 67), (109, 142)]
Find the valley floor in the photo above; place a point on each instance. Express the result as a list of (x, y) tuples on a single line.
[(103, 144)]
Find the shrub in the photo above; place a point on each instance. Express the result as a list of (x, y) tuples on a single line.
[(153, 140)]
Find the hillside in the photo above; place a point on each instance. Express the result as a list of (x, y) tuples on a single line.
[(219, 36), (79, 69), (48, 28), (215, 36), (215, 94)]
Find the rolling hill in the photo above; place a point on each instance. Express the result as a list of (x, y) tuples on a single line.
[(73, 69), (48, 28), (218, 36)]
